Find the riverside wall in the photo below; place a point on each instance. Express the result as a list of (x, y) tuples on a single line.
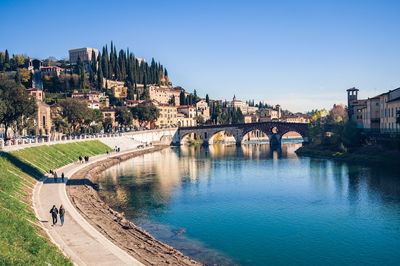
[(126, 140)]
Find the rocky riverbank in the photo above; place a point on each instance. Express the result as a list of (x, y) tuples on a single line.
[(82, 191)]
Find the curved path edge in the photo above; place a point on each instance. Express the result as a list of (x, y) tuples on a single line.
[(77, 239)]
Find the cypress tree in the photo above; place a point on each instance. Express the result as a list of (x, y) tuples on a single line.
[(207, 99), (99, 78), (7, 58), (93, 63), (182, 98), (17, 77)]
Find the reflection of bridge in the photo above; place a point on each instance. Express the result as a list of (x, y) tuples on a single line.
[(274, 131)]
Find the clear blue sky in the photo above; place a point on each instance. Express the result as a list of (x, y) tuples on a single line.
[(300, 54)]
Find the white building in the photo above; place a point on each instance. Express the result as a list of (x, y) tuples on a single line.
[(203, 109)]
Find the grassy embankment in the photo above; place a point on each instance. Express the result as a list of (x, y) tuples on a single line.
[(22, 240), (369, 154)]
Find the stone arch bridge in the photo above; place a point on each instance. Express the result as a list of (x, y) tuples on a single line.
[(274, 131)]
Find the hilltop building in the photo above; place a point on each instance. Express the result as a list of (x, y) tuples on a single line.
[(270, 114), (85, 54), (51, 70), (243, 106), (95, 99)]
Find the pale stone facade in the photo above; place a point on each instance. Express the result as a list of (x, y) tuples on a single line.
[(43, 118), (85, 54), (94, 98), (51, 70), (371, 113), (183, 121), (297, 118), (389, 105), (379, 112), (188, 111), (269, 114), (120, 92), (203, 110), (168, 115)]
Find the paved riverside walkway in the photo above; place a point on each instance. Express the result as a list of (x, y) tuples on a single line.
[(78, 240)]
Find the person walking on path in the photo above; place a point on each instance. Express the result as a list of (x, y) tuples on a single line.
[(80, 159), (54, 213), (55, 177), (62, 178), (62, 213)]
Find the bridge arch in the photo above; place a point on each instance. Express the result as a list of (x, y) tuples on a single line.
[(254, 135), (211, 137), (191, 137)]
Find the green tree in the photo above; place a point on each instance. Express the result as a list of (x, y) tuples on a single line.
[(124, 117), (15, 104), (107, 124), (75, 111), (145, 113), (351, 135), (182, 98), (207, 100)]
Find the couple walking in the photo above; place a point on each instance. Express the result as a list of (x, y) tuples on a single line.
[(54, 212)]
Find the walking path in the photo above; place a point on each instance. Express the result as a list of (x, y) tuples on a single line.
[(76, 238)]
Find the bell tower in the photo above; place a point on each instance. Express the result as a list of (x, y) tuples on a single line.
[(352, 97)]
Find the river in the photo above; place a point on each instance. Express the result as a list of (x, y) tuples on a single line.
[(249, 205)]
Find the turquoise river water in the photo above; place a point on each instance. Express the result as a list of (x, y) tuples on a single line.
[(249, 205)]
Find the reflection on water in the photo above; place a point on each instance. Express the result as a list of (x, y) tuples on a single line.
[(255, 206)]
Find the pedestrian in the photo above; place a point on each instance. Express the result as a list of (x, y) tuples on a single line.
[(80, 159), (54, 213), (62, 214), (51, 171), (55, 177), (62, 178), (115, 149), (119, 149)]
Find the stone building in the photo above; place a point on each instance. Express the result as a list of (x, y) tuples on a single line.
[(85, 54), (389, 106), (296, 118), (95, 97), (203, 109), (119, 92), (355, 106), (184, 121), (161, 94), (51, 70), (243, 106), (270, 114), (379, 112), (43, 121), (253, 118), (188, 111), (371, 113), (168, 115)]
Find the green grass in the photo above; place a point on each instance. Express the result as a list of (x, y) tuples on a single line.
[(22, 240)]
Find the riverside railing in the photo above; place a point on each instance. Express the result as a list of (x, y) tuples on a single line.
[(24, 143)]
